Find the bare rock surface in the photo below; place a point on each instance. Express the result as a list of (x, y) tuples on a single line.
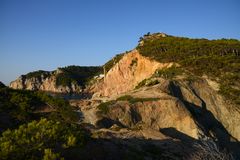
[(128, 72)]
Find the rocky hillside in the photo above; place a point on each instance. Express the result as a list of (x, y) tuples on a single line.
[(169, 98), (173, 85), (128, 72), (71, 79)]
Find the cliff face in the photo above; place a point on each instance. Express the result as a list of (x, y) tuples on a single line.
[(128, 72), (165, 113), (198, 99), (190, 107), (44, 83)]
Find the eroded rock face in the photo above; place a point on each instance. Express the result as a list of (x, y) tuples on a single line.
[(203, 97), (44, 83), (189, 107), (128, 72), (165, 113)]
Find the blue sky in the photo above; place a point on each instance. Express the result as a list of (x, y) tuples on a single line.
[(46, 34)]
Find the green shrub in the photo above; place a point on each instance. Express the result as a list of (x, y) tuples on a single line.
[(141, 84), (37, 74), (104, 107), (113, 61), (147, 82), (133, 100), (33, 139), (168, 73), (20, 107), (77, 74), (134, 62)]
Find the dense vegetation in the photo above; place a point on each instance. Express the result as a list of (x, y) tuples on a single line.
[(219, 59), (147, 82), (76, 74), (40, 139), (28, 132), (18, 107), (37, 74)]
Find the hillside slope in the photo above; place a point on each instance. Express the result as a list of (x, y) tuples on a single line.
[(158, 101)]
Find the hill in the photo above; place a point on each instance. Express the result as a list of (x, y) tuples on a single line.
[(168, 98), (218, 59), (70, 79)]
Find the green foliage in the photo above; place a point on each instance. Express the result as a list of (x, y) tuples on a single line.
[(50, 155), (38, 138), (133, 100), (168, 73), (19, 106), (231, 93), (37, 74), (147, 82), (113, 61), (134, 62), (104, 107), (125, 98), (215, 58), (141, 84), (64, 109), (76, 74)]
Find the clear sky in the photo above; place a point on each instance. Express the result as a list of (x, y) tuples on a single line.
[(46, 34)]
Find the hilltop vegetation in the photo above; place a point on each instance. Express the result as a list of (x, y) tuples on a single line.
[(218, 59), (77, 74), (37, 74)]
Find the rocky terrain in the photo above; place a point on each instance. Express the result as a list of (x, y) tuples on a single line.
[(154, 104)]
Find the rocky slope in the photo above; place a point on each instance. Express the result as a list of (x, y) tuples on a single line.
[(168, 94), (172, 109), (128, 72)]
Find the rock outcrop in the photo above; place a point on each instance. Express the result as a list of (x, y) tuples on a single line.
[(211, 110), (44, 82), (128, 72), (157, 114)]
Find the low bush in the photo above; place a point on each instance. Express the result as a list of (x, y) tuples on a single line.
[(37, 140)]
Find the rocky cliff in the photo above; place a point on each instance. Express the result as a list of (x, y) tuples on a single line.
[(128, 72), (71, 79), (44, 83)]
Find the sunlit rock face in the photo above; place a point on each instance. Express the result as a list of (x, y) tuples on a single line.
[(44, 83), (128, 72)]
